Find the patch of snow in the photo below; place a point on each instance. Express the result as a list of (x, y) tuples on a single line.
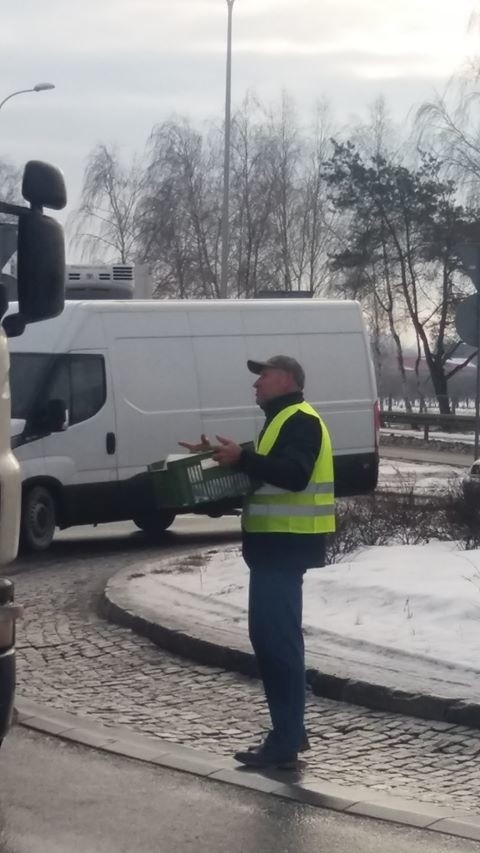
[(420, 599), (422, 478)]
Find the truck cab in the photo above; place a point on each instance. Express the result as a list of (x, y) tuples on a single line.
[(41, 275)]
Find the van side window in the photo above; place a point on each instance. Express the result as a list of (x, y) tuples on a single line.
[(87, 386)]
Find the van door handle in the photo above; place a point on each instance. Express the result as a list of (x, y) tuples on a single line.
[(111, 443)]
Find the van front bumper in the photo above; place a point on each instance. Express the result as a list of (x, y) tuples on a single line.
[(7, 690)]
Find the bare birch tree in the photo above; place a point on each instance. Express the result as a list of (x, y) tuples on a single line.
[(180, 211), (105, 223)]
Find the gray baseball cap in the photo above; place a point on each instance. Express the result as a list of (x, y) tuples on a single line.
[(280, 362)]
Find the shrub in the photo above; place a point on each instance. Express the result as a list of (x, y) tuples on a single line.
[(403, 518)]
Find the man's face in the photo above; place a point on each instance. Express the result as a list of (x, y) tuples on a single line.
[(272, 383)]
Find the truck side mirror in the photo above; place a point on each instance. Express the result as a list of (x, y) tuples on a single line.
[(40, 267), (43, 185), (40, 245)]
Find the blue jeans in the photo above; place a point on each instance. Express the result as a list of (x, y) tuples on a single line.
[(275, 628)]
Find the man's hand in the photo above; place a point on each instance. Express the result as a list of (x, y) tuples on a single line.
[(201, 447), (228, 453)]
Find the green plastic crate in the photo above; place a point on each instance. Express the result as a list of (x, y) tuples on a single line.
[(195, 480)]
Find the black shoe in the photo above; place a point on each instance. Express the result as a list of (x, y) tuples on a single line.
[(260, 758), (304, 746)]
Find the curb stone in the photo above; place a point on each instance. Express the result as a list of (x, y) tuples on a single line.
[(379, 698), (357, 801)]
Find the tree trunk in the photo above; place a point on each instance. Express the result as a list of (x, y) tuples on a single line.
[(403, 375), (440, 386)]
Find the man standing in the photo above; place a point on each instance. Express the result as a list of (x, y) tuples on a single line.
[(284, 526)]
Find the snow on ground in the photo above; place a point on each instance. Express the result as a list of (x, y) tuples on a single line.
[(396, 475), (423, 600), (420, 599)]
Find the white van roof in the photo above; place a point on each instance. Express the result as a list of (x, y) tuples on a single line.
[(61, 333)]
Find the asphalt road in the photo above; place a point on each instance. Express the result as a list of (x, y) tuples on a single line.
[(58, 798), (112, 546)]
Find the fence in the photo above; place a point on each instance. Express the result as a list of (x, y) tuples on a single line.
[(427, 420)]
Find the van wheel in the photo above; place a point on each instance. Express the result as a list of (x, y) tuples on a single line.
[(154, 523), (38, 519)]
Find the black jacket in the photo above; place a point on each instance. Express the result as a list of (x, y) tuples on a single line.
[(289, 465)]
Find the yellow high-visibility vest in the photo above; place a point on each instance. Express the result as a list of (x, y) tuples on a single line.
[(273, 510)]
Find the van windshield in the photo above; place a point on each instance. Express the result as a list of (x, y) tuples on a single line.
[(27, 374)]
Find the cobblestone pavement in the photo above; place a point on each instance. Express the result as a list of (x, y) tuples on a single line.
[(70, 658)]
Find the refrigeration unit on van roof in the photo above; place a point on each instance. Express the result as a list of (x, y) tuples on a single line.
[(116, 281)]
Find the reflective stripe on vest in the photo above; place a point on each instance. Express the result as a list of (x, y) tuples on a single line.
[(273, 510), (312, 489)]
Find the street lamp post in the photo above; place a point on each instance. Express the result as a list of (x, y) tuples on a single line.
[(39, 87), (226, 162)]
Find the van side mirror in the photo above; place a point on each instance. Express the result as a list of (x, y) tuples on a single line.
[(43, 185), (13, 325), (53, 417), (57, 415)]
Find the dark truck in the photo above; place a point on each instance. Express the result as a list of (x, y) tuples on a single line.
[(39, 243)]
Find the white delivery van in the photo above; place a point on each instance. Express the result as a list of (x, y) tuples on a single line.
[(109, 387)]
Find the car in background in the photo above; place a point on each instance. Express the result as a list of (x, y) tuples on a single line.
[(471, 484)]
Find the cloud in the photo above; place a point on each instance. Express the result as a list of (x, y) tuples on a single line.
[(121, 66), (111, 26)]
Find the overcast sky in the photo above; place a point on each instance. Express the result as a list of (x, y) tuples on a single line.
[(121, 66)]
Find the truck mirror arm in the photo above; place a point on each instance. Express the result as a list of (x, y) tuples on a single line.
[(15, 209)]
